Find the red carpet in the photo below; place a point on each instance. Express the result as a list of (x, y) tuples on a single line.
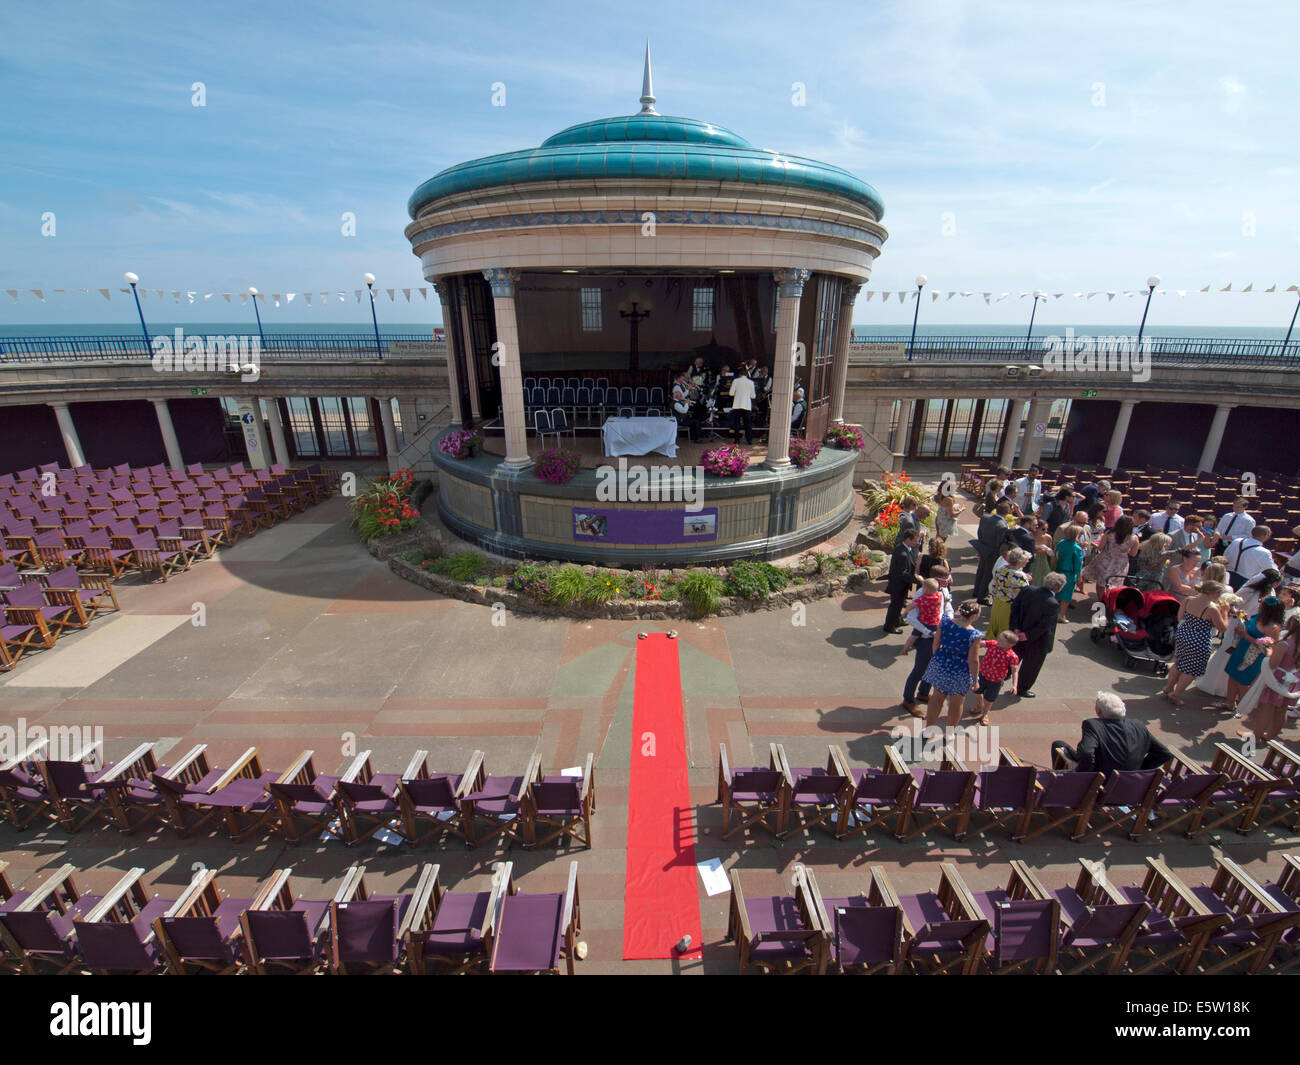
[(662, 901)]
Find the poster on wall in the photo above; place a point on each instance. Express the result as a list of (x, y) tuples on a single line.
[(645, 526)]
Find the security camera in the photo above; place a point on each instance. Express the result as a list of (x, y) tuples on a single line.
[(1013, 371), (1035, 371)]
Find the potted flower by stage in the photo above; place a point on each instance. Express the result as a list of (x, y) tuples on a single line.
[(557, 465), (727, 461), (461, 443), (845, 437), (802, 452)]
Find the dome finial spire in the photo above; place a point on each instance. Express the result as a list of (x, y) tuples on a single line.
[(647, 89)]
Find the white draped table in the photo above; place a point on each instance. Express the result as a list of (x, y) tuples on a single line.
[(640, 436)]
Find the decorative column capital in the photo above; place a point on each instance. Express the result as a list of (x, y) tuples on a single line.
[(442, 288), (790, 281), (502, 281), (850, 294)]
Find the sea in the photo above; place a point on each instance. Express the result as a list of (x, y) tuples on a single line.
[(416, 331)]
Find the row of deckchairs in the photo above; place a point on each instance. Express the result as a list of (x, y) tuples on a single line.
[(54, 927), (1229, 922), (1019, 800), (245, 799)]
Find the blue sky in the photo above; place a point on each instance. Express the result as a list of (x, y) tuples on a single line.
[(1068, 146)]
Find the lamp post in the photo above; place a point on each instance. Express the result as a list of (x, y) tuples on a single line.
[(369, 279), (133, 280), (262, 336), (1152, 281), (920, 284), (1038, 295), (1292, 325)]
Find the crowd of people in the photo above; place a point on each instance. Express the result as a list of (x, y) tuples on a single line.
[(1040, 551)]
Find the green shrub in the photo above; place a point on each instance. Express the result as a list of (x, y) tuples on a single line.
[(413, 557), (500, 580), (754, 579), (601, 588), (462, 566), (701, 591), (566, 585), (532, 579)]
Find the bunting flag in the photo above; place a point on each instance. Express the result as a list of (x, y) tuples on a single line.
[(390, 294), (275, 297), (160, 292), (1109, 296), (1206, 288), (243, 297), (190, 296), (104, 292), (357, 291), (1227, 287), (986, 296), (39, 294), (1181, 291), (870, 293), (407, 293), (901, 296), (207, 296), (1272, 287), (424, 293), (13, 292), (226, 296), (307, 297), (288, 296), (1248, 287), (884, 297), (934, 296), (343, 297)]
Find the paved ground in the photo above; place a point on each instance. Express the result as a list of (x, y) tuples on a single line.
[(308, 642)]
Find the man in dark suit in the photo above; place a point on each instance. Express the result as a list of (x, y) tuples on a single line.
[(902, 578), (1034, 613), (988, 542), (1059, 510), (1111, 741), (907, 517)]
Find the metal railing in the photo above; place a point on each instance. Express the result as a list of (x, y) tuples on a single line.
[(344, 347), (1181, 350)]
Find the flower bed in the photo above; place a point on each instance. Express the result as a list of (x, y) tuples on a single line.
[(728, 461), (385, 508), (590, 591), (845, 437)]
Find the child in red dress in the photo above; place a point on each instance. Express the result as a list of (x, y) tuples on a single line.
[(997, 662)]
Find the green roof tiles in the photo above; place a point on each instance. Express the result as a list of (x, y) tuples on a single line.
[(645, 146)]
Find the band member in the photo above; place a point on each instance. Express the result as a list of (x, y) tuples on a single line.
[(762, 394), (687, 406), (722, 389), (742, 403), (699, 373), (798, 411)]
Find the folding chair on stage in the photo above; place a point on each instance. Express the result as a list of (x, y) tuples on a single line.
[(864, 933), (881, 798), (369, 933), (1285, 891), (92, 591), (944, 929), (535, 932), (1282, 804), (1240, 800), (561, 806), (74, 788), (496, 805), (238, 797), (753, 794), (435, 798), (202, 931), (1064, 799), (307, 797), (813, 795), (368, 801), (459, 938), (36, 926)]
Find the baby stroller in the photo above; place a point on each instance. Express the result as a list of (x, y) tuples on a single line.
[(1141, 624)]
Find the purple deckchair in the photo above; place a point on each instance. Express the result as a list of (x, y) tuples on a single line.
[(533, 932)]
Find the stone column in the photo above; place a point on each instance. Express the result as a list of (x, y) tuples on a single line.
[(170, 443), (448, 326), (390, 430), (840, 359), (1008, 456), (512, 379), (1031, 446), (277, 431), (71, 442), (1119, 432), (898, 440), (471, 367), (254, 430), (1210, 454), (789, 290)]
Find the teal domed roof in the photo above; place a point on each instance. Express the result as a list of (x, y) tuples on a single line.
[(647, 128)]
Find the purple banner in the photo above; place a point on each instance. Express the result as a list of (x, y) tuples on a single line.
[(645, 526)]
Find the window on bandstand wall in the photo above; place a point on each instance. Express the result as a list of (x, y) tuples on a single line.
[(931, 428), (334, 426), (302, 427), (702, 308), (961, 425), (592, 321), (989, 442), (1057, 418), (365, 437), (829, 292)]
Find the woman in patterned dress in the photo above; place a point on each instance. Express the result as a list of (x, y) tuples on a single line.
[(1004, 587), (1115, 549), (1248, 657), (954, 663), (946, 509), (1266, 719), (1198, 619), (1043, 548)]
